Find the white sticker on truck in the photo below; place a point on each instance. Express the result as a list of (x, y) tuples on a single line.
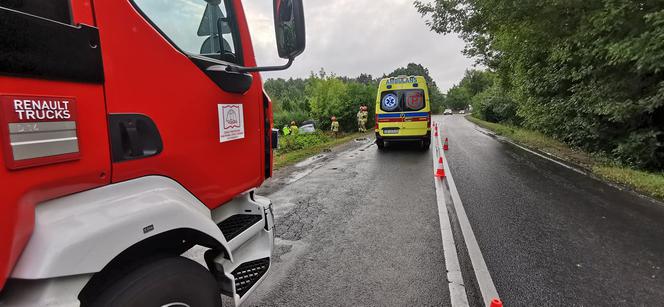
[(231, 122)]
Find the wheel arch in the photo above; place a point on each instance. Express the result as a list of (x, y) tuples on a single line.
[(85, 232), (167, 244)]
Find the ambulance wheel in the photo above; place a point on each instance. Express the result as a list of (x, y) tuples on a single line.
[(380, 143), (173, 282)]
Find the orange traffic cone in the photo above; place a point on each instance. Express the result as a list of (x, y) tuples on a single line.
[(445, 147), (496, 303), (440, 172), (436, 132)]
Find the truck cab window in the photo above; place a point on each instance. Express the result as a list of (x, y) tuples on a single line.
[(196, 27)]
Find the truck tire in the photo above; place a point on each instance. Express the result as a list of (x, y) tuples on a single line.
[(380, 143), (426, 143), (174, 281)]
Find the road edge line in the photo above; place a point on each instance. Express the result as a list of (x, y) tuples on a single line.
[(458, 295), (484, 280), (570, 165)]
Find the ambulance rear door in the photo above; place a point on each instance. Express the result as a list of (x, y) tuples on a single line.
[(416, 115), (390, 117)]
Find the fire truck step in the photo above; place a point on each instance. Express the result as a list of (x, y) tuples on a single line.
[(248, 273), (236, 224)]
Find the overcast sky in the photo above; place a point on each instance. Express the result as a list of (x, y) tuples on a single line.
[(349, 37)]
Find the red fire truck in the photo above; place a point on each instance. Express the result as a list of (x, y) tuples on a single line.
[(132, 131)]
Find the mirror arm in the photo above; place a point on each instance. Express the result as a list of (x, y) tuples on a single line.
[(242, 69)]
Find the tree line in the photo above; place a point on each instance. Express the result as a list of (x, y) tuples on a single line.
[(588, 73), (323, 95)]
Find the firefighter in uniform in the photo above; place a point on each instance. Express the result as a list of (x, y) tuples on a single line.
[(335, 126), (362, 117), (293, 128)]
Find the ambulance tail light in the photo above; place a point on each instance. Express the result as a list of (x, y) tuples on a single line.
[(429, 120), (376, 121)]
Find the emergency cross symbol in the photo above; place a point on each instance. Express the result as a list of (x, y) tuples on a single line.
[(390, 102), (231, 122)]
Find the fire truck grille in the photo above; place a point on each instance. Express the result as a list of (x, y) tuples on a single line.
[(248, 273), (236, 224)]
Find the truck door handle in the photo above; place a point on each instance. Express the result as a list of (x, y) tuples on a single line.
[(133, 136), (130, 140)]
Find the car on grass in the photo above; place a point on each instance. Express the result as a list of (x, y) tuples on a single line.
[(308, 126)]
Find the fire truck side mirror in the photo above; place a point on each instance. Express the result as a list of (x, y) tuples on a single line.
[(289, 28)]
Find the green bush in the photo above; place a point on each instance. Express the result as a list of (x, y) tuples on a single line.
[(290, 143), (494, 106), (335, 97)]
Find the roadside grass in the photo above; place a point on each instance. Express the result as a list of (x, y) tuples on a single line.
[(292, 157), (651, 184), (648, 183)]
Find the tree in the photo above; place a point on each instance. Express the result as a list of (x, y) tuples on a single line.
[(589, 73), (324, 95), (333, 97), (474, 82), (458, 98)]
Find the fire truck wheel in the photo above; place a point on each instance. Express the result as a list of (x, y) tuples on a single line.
[(172, 282)]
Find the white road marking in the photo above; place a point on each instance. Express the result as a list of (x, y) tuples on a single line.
[(484, 280), (458, 296)]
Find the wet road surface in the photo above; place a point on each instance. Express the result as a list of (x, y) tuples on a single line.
[(552, 236), (357, 227), (360, 227)]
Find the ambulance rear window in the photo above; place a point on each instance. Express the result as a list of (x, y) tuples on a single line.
[(57, 10), (402, 100), (413, 100), (389, 101)]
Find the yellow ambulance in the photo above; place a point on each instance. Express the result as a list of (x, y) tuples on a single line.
[(403, 111)]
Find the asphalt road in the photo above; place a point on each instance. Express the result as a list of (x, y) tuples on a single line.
[(552, 236), (357, 226)]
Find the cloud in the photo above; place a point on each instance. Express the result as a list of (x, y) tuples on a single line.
[(349, 37)]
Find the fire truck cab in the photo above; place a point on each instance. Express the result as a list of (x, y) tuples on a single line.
[(132, 131)]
